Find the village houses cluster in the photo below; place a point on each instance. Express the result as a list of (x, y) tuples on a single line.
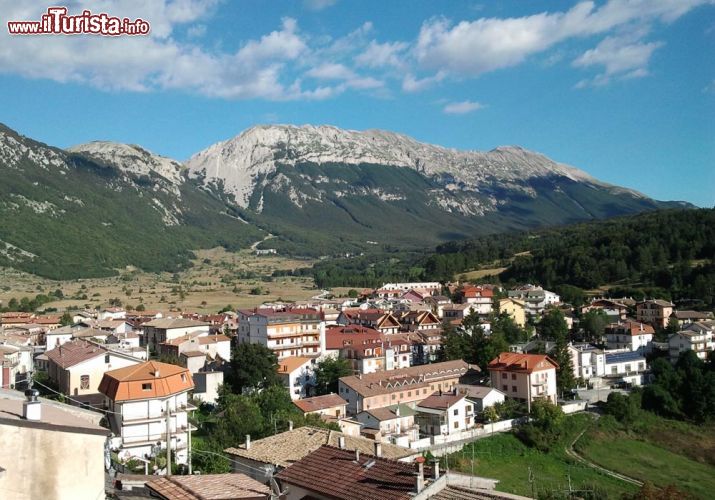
[(142, 374)]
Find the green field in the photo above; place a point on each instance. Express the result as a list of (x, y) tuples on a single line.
[(656, 450), (506, 458)]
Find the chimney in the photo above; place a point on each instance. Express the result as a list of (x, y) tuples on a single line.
[(357, 455), (378, 449), (435, 468), (397, 410), (32, 408), (341, 442), (290, 425), (156, 373), (420, 475), (248, 441)]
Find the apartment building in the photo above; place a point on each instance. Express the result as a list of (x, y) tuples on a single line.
[(631, 335), (524, 377), (701, 341), (406, 385), (654, 312), (144, 402), (164, 329), (289, 332)]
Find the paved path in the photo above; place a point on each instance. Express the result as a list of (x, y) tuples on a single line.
[(572, 453), (254, 247)]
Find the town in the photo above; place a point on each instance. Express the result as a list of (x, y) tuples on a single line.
[(345, 397)]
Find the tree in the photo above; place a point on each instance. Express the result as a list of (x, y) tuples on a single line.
[(594, 323), (455, 345), (66, 319), (624, 408), (553, 326), (253, 366), (352, 293), (504, 325), (239, 416), (546, 415), (328, 372)]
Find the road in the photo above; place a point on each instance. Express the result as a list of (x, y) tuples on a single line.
[(255, 245)]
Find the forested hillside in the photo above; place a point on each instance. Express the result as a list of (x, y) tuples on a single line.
[(667, 253)]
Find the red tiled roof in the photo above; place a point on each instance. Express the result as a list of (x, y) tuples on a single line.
[(439, 401), (318, 403), (335, 473), (74, 352), (209, 487), (632, 328), (213, 339), (516, 362)]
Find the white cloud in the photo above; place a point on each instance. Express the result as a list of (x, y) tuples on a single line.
[(378, 55), (340, 72), (410, 83), (471, 48), (620, 57), (319, 4), (461, 108)]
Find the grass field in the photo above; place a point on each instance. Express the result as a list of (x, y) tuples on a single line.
[(661, 451), (506, 458), (216, 279)]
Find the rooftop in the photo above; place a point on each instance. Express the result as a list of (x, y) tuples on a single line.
[(318, 403), (208, 487), (388, 381), (527, 363), (441, 401), (74, 352), (169, 323), (336, 473), (147, 380), (288, 447), (620, 357)]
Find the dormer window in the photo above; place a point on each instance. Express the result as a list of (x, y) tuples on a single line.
[(146, 387)]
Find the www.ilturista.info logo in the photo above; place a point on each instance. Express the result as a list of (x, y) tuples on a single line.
[(56, 22)]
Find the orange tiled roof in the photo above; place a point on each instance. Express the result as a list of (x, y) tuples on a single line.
[(148, 380), (516, 362), (291, 363), (318, 403)]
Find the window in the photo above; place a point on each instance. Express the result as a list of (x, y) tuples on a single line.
[(505, 387), (183, 377), (84, 382), (106, 358), (456, 425), (146, 387), (513, 388), (409, 394), (504, 375), (456, 412), (513, 376)]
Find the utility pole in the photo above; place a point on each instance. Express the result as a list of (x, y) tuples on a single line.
[(168, 440), (188, 423)]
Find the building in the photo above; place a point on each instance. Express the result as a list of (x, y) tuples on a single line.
[(391, 424), (420, 320), (445, 413), (588, 362), (383, 322), (524, 377), (262, 458), (406, 385), (291, 332), (630, 335), (163, 329), (616, 311), (688, 317), (481, 396), (298, 375), (77, 367), (654, 312), (514, 308), (340, 474), (701, 341), (480, 298), (535, 298), (16, 364), (329, 404), (625, 367), (208, 487), (141, 400), (49, 449)]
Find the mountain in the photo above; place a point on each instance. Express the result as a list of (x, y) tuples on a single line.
[(100, 207), (320, 187)]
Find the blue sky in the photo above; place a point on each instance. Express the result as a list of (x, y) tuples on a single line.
[(624, 89)]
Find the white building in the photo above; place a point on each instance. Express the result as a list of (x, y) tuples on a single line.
[(444, 414), (148, 404), (293, 332), (535, 298), (625, 367), (482, 396), (588, 361), (298, 375), (699, 340), (631, 335), (164, 329)]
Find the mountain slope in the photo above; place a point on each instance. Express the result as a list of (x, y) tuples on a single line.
[(73, 214), (378, 187)]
